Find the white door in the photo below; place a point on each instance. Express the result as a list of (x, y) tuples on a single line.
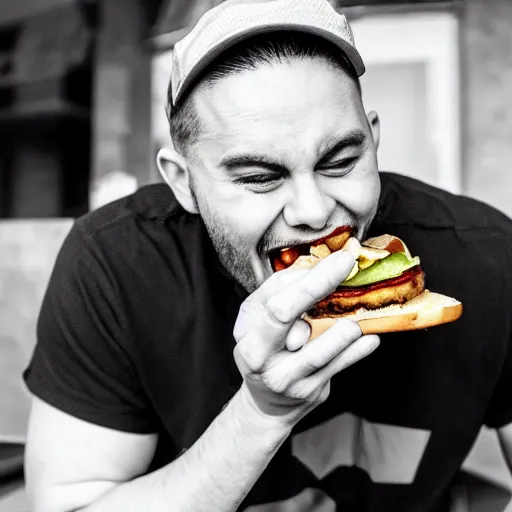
[(412, 81)]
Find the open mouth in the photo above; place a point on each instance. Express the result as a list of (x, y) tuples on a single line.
[(281, 259)]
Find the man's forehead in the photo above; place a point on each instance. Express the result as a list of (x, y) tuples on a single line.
[(278, 100)]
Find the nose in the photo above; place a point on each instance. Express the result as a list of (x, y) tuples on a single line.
[(309, 205)]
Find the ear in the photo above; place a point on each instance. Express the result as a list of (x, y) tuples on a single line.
[(374, 122), (174, 170)]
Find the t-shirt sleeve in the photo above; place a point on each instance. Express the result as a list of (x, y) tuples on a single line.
[(81, 363), (499, 412)]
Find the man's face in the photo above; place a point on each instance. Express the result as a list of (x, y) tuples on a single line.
[(285, 156)]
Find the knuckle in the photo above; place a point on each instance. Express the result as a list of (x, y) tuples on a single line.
[(301, 392), (248, 308), (305, 392), (314, 362), (323, 396), (249, 316), (278, 310), (312, 295), (314, 289), (318, 286), (284, 278), (278, 384), (240, 328), (318, 396), (249, 357), (313, 399), (298, 393), (238, 332)]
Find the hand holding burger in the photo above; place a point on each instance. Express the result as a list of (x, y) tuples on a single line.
[(281, 382)]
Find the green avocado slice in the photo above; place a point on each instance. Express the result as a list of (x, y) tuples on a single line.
[(387, 268)]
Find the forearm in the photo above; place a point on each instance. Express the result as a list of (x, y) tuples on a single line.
[(216, 473)]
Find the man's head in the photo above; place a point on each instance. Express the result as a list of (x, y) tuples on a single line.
[(273, 148)]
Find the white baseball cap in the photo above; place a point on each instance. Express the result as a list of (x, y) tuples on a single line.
[(236, 20)]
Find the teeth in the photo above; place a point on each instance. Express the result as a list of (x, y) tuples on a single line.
[(305, 262), (320, 251)]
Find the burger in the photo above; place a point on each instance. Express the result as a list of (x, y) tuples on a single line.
[(384, 292)]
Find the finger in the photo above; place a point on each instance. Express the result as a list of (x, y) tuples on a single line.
[(276, 282), (261, 329), (290, 302), (259, 335), (297, 336), (360, 349), (253, 307), (319, 352)]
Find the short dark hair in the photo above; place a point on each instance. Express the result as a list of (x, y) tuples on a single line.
[(269, 48)]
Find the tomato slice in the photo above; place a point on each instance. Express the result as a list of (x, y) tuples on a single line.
[(278, 264), (289, 256)]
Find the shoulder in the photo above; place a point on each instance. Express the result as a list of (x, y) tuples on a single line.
[(472, 238), (150, 203), (421, 204), (151, 215), (135, 239)]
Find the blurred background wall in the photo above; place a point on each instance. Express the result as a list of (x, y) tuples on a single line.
[(82, 96)]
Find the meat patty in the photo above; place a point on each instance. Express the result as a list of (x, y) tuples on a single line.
[(391, 291)]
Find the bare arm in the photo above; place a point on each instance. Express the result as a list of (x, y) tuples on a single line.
[(93, 465), (73, 465)]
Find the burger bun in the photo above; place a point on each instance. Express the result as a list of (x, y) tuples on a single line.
[(426, 310)]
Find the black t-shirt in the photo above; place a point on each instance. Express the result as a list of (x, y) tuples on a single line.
[(135, 334)]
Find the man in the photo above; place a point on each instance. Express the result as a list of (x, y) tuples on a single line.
[(171, 371)]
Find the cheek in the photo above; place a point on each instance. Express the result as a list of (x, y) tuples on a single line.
[(358, 193), (245, 215)]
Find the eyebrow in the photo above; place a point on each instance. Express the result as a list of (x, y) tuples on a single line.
[(335, 144), (252, 160), (351, 139)]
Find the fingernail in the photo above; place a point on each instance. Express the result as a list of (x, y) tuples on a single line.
[(345, 257), (353, 247)]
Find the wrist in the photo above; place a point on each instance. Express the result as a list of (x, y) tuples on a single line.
[(253, 420)]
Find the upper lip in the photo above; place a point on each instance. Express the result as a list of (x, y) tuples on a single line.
[(302, 241)]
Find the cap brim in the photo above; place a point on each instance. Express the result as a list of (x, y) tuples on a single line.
[(215, 51)]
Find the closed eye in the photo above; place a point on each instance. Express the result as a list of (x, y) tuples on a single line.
[(338, 167), (260, 181)]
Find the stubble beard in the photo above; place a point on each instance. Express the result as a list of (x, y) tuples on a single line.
[(230, 248)]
